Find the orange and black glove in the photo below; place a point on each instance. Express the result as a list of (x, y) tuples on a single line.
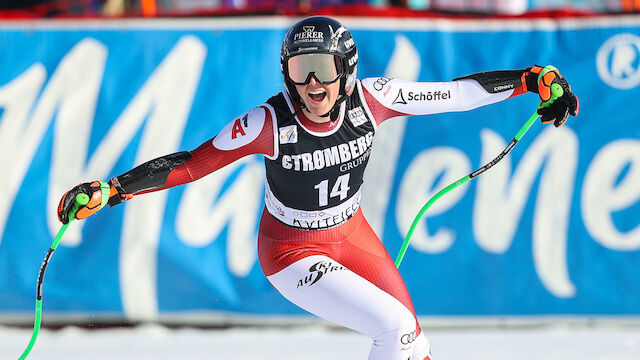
[(99, 193), (556, 99)]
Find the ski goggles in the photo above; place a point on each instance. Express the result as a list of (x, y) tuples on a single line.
[(326, 68)]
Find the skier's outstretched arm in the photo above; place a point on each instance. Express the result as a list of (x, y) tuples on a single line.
[(389, 98), (251, 133)]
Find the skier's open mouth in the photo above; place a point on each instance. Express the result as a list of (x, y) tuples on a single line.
[(317, 95)]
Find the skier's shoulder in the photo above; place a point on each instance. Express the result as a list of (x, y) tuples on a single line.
[(244, 129)]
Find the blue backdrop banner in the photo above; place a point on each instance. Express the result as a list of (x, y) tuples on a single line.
[(553, 229)]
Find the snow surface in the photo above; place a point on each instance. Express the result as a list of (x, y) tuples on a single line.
[(316, 343)]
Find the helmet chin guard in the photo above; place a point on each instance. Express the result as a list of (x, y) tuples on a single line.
[(321, 35)]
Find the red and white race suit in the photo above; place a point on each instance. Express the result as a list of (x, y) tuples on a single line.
[(315, 246)]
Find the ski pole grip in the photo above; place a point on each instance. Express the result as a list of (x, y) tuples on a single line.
[(81, 200), (556, 89)]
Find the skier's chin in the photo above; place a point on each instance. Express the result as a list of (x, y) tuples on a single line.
[(319, 110), (315, 111)]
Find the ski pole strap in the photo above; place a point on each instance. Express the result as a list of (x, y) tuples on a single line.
[(81, 200), (555, 88), (105, 190), (439, 194)]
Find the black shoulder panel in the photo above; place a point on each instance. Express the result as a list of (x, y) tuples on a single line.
[(152, 174), (497, 81), (284, 114)]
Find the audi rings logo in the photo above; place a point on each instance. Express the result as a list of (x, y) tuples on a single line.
[(380, 83), (618, 61), (407, 339)]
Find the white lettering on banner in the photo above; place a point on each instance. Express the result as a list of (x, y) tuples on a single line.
[(71, 95), (500, 201), (404, 64), (20, 136), (205, 211), (603, 193), (74, 95), (617, 61), (164, 101), (419, 184), (166, 98)]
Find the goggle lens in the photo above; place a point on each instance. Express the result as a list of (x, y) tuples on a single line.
[(325, 67)]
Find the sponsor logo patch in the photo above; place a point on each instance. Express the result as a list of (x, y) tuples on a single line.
[(407, 339), (309, 34), (503, 87), (241, 131), (288, 134), (353, 60), (421, 96), (349, 43), (238, 127), (330, 220), (380, 83), (399, 99), (356, 116), (317, 271)]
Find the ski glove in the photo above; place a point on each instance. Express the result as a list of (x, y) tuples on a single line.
[(98, 192), (552, 108)]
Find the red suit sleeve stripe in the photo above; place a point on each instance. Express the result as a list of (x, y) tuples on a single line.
[(206, 158), (380, 112)]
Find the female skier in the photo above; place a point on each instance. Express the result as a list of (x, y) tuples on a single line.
[(314, 244)]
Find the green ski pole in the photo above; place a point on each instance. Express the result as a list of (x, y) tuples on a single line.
[(81, 200), (556, 91)]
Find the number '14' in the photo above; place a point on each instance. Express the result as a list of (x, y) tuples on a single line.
[(340, 188)]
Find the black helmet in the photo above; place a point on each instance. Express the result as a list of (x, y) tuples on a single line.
[(321, 35)]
